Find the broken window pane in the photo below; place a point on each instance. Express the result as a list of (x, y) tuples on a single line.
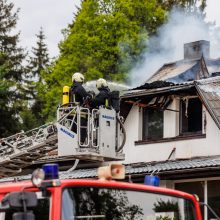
[(190, 116)]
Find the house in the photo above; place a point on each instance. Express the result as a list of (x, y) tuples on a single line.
[(173, 126)]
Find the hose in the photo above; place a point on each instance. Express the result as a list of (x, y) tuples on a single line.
[(74, 166), (124, 133)]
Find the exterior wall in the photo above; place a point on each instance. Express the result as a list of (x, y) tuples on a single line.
[(209, 146), (132, 126)]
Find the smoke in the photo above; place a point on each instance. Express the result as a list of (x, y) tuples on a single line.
[(167, 45), (91, 86)]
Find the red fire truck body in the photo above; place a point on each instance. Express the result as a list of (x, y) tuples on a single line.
[(96, 199)]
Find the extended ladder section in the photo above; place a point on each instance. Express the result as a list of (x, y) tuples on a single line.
[(96, 134), (19, 150)]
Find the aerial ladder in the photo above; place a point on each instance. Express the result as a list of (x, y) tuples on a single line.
[(104, 138), (20, 150)]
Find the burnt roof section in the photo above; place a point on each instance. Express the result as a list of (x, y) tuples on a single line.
[(155, 84), (209, 91), (183, 71), (171, 88)]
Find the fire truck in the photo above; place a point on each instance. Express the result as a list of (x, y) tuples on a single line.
[(47, 197), (100, 138)]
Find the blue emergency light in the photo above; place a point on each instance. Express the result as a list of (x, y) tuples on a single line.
[(151, 180), (51, 171)]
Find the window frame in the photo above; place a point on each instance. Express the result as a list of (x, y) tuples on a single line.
[(145, 119), (186, 133)]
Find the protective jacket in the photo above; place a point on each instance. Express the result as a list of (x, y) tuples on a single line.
[(78, 93), (101, 98)]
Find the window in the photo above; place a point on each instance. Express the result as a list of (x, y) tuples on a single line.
[(120, 204), (190, 116), (152, 124)]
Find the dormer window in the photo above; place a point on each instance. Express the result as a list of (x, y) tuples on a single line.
[(190, 116)]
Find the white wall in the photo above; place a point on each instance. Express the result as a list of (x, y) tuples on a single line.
[(208, 146)]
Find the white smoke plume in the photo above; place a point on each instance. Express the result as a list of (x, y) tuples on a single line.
[(91, 86), (167, 46)]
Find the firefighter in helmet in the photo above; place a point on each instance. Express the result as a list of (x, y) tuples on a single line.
[(78, 93), (79, 97), (101, 98)]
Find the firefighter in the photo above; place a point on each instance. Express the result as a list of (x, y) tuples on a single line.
[(78, 93), (79, 97), (102, 98)]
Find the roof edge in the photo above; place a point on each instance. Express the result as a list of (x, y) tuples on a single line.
[(208, 107)]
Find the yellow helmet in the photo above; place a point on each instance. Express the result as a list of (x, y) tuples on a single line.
[(101, 83), (78, 77)]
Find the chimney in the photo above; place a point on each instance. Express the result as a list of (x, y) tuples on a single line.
[(195, 50)]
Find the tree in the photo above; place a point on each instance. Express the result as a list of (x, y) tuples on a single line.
[(38, 62), (106, 38), (11, 70), (190, 5), (40, 59), (9, 122)]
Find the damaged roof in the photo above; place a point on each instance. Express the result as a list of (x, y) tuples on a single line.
[(186, 70), (157, 88), (209, 91)]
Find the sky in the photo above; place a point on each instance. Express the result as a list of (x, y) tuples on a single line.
[(52, 15), (55, 15)]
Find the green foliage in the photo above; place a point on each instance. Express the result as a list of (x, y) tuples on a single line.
[(11, 71), (9, 123), (189, 5), (40, 57), (165, 206), (29, 120)]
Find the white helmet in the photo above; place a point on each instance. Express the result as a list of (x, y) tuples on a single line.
[(101, 83), (78, 77)]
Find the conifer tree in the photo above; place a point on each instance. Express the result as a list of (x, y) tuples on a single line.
[(38, 62), (11, 70), (189, 5)]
